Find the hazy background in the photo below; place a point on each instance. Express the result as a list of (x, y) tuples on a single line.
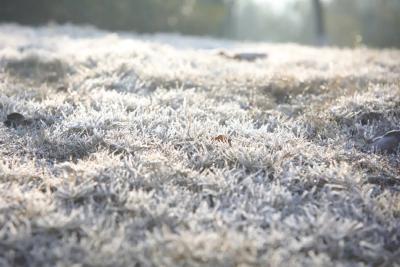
[(373, 23)]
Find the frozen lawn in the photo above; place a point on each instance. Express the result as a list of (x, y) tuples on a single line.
[(122, 165)]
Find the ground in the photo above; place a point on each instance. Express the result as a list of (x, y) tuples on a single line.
[(157, 150)]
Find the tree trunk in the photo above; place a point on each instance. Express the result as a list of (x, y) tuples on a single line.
[(319, 23), (228, 27)]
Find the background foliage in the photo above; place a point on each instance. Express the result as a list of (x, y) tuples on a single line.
[(349, 22)]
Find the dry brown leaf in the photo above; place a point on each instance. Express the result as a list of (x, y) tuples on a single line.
[(244, 56), (223, 139), (62, 88)]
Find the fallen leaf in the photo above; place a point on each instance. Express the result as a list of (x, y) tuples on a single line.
[(16, 119), (369, 117), (383, 181), (387, 143), (223, 139), (244, 56), (15, 116), (62, 88)]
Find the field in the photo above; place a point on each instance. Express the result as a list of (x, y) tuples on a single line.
[(159, 150)]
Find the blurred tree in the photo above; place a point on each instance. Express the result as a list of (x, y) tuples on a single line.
[(319, 23), (380, 22), (186, 16), (257, 22), (228, 27), (345, 22), (372, 22)]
